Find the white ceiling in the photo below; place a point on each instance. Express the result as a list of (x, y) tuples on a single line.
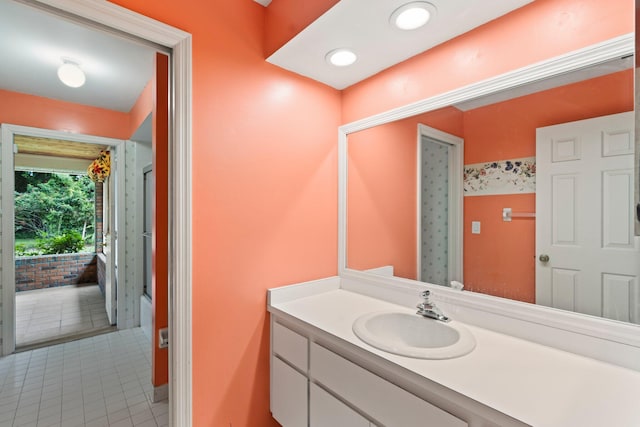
[(32, 43), (363, 26)]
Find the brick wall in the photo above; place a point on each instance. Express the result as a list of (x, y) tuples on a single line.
[(47, 271)]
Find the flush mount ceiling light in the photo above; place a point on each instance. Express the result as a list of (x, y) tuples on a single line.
[(412, 15), (71, 74), (341, 57)]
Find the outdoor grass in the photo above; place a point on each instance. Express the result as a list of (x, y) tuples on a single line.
[(32, 244)]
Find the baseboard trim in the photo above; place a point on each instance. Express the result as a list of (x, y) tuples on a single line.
[(160, 393)]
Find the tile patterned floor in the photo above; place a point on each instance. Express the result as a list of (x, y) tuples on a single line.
[(104, 380), (48, 314)]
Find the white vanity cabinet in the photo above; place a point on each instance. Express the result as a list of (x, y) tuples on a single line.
[(313, 386)]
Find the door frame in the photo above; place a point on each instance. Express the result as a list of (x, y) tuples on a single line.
[(9, 131), (456, 217), (116, 18)]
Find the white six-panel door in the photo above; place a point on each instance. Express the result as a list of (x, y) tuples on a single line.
[(584, 223)]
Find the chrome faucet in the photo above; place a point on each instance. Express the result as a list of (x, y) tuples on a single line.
[(428, 309)]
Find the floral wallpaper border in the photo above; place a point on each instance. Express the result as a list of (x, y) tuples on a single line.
[(500, 177)]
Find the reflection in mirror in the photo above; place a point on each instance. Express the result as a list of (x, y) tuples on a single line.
[(525, 172)]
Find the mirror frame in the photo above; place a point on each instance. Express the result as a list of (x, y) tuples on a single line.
[(605, 329)]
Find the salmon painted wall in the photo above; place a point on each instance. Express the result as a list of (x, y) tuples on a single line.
[(381, 191), (35, 111), (506, 266), (538, 31), (501, 260), (45, 113), (141, 109), (487, 137), (264, 198)]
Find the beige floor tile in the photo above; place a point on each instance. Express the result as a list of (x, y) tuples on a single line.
[(48, 314)]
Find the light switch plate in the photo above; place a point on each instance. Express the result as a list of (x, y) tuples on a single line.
[(475, 227), (163, 338)]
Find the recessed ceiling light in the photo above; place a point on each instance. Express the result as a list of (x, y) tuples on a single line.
[(341, 57), (412, 15), (71, 74)]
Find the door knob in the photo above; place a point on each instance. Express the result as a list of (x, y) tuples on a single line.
[(544, 258)]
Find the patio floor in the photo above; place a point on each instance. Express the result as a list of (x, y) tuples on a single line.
[(59, 314)]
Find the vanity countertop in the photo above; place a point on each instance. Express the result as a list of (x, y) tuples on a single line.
[(537, 385)]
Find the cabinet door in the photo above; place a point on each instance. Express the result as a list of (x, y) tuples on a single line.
[(288, 395), (327, 411)]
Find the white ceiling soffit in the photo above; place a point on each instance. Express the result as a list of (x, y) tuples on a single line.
[(363, 26), (265, 3), (33, 42), (550, 83)]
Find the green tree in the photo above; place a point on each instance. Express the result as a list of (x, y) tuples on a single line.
[(24, 178), (60, 204)]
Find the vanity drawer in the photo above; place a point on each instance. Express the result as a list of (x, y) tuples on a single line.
[(290, 346), (289, 404), (327, 411), (383, 401)]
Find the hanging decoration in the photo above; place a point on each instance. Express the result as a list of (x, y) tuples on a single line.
[(100, 168)]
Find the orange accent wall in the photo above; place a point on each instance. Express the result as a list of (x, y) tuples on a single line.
[(264, 199), (45, 113), (540, 30), (284, 19), (506, 130), (160, 243), (500, 261), (35, 111), (381, 189)]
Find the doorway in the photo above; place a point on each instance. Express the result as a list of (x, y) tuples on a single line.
[(58, 296), (62, 144), (121, 21), (439, 206)]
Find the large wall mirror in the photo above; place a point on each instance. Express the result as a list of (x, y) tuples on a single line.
[(526, 193)]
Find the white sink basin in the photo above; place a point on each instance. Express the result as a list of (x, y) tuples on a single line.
[(412, 335)]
